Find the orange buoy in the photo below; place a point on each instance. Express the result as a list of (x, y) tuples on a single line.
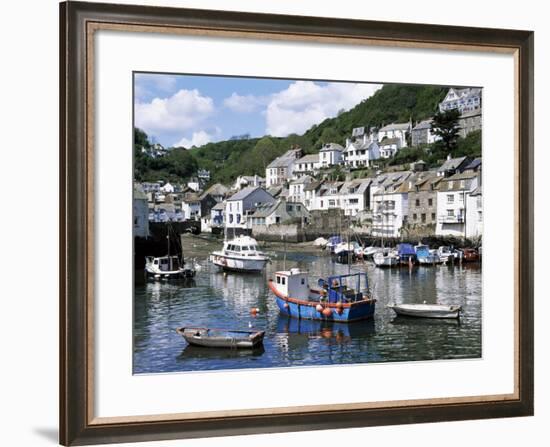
[(254, 311), (319, 308), (327, 312)]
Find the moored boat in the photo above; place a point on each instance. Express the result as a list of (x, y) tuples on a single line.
[(447, 254), (339, 298), (470, 255), (426, 310), (385, 258), (167, 267), (407, 254), (425, 256), (240, 254), (221, 338)]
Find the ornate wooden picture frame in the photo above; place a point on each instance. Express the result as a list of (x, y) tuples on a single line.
[(78, 23)]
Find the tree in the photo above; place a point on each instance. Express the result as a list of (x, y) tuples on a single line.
[(329, 135), (262, 154), (445, 126)]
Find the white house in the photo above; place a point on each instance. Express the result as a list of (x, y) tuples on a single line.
[(361, 152), (296, 192), (194, 184), (395, 130), (282, 168), (191, 206), (242, 204), (355, 196), (451, 203), (330, 155), (389, 147), (308, 164), (244, 181), (391, 208), (311, 191), (463, 99), (279, 212), (166, 188), (474, 213), (327, 196)]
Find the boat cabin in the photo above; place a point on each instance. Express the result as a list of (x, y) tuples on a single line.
[(293, 284), (243, 245), (345, 288), (165, 263)]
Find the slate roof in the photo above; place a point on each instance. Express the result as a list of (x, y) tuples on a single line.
[(303, 179), (395, 126), (361, 185), (217, 189), (331, 147), (243, 193), (474, 164), (451, 164), (426, 124), (310, 158), (312, 186), (284, 160), (453, 183)]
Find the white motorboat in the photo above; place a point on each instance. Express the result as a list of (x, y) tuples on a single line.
[(447, 254), (167, 267), (240, 254), (385, 258), (426, 310), (370, 251)]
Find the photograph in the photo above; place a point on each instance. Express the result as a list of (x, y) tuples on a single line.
[(283, 223)]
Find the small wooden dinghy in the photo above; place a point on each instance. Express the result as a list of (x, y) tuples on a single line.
[(221, 338), (426, 310)]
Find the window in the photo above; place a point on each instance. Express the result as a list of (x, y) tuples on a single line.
[(353, 201), (430, 202), (433, 216), (332, 202), (451, 184), (417, 202), (450, 213), (423, 218), (415, 216), (283, 280), (278, 280), (231, 218), (450, 198), (480, 216), (303, 281), (238, 218)]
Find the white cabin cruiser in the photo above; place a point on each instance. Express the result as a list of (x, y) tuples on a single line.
[(240, 254), (385, 258)]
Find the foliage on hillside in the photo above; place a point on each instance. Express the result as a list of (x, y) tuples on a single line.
[(228, 159)]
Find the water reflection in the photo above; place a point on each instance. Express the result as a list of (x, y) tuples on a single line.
[(221, 300)]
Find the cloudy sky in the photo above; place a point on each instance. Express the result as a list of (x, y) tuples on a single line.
[(185, 110)]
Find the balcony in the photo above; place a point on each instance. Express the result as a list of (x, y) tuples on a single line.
[(450, 219)]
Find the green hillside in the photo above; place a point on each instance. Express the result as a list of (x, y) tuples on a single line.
[(228, 159)]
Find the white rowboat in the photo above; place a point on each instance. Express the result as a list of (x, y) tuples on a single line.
[(426, 310)]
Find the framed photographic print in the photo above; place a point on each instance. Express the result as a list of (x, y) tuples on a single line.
[(276, 223)]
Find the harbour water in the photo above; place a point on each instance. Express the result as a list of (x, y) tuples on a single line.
[(219, 300)]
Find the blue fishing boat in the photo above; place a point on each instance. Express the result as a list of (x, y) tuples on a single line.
[(339, 298), (406, 253), (425, 256)]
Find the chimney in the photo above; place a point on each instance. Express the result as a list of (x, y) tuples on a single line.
[(449, 157), (347, 142)]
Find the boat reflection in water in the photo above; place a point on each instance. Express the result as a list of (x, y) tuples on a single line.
[(198, 352), (340, 332)]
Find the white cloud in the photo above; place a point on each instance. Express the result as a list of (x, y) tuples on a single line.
[(244, 104), (182, 111), (305, 103), (198, 139)]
